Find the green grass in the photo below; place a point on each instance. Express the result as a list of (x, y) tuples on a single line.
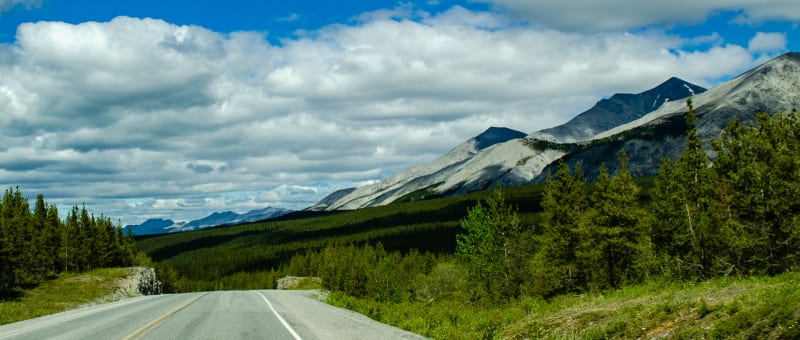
[(65, 292), (749, 308), (721, 308)]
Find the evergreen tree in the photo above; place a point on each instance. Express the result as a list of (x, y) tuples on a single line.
[(6, 260), (759, 173), (564, 204), (35, 245), (612, 229), (53, 230), (16, 218), (43, 259), (69, 239), (489, 246), (686, 211)]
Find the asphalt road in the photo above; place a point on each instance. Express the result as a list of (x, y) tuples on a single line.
[(263, 314)]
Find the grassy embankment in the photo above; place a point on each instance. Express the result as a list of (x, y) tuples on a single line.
[(67, 291), (748, 308)]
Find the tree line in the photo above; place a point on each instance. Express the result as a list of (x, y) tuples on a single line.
[(35, 244)]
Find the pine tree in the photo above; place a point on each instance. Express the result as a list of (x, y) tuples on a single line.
[(6, 260), (53, 229), (69, 239), (760, 175), (42, 255), (17, 220), (85, 241), (613, 228), (564, 204), (687, 213)]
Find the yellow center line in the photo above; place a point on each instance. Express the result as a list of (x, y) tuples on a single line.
[(152, 324)]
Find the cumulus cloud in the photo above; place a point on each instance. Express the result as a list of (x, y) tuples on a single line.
[(143, 118), (590, 15), (767, 42)]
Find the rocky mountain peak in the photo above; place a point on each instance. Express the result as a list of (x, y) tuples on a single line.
[(619, 109), (674, 88), (495, 135)]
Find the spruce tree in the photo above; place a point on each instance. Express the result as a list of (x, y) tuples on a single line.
[(564, 203), (686, 211), (53, 229), (612, 229), (760, 175)]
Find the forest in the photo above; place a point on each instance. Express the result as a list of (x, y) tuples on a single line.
[(36, 245)]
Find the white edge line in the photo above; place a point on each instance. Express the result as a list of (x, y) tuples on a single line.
[(285, 324)]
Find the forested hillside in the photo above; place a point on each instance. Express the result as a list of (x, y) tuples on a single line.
[(37, 245), (252, 256)]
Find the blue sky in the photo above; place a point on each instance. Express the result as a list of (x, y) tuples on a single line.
[(177, 109)]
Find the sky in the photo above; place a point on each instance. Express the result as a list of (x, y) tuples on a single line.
[(176, 109)]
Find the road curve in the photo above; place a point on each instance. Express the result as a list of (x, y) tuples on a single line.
[(262, 314)]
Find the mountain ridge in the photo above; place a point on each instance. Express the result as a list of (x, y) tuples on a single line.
[(155, 226), (423, 175), (484, 161), (620, 108), (647, 137)]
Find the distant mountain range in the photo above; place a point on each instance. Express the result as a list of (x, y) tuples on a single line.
[(156, 226), (648, 126)]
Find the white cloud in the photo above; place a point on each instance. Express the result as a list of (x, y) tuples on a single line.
[(767, 42), (142, 118), (591, 15), (759, 11), (289, 18)]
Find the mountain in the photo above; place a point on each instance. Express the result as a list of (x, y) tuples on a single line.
[(505, 156), (771, 87), (262, 214), (161, 226), (331, 199), (152, 226), (621, 108), (648, 125), (230, 218), (421, 176), (215, 219)]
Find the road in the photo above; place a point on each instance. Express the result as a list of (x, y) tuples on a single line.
[(261, 314)]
